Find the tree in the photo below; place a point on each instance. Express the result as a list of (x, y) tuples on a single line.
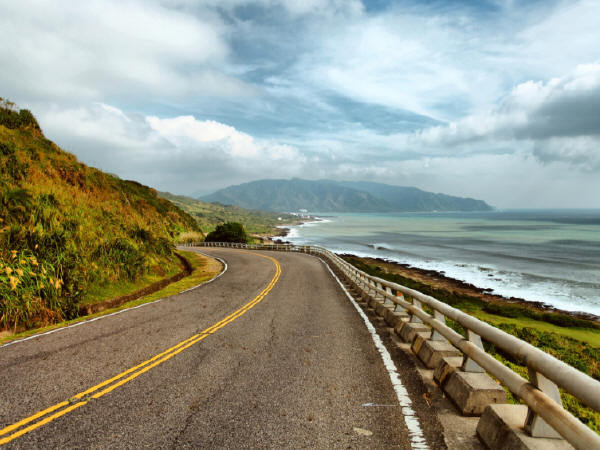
[(228, 232)]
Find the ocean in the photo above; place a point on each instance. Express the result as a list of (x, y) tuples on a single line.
[(550, 256)]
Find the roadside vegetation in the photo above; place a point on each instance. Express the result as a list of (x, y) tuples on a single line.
[(572, 340), (203, 269), (209, 215), (70, 233), (228, 232)]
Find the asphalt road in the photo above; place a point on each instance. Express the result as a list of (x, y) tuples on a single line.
[(295, 367)]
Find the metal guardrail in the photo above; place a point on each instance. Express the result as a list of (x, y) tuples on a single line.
[(546, 374)]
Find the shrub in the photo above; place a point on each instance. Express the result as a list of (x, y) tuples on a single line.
[(7, 148), (122, 256), (13, 119), (228, 232), (27, 119)]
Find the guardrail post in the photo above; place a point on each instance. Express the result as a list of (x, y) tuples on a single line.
[(534, 424), (368, 287), (386, 300), (373, 290), (364, 284), (468, 364), (417, 304), (398, 307), (435, 335)]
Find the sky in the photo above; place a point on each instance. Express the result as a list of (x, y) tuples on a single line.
[(496, 100)]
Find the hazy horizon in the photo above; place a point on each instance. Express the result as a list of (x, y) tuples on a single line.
[(493, 100)]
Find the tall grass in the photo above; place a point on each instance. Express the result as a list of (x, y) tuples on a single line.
[(67, 229), (190, 237)]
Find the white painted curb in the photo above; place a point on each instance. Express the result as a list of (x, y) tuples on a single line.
[(417, 440)]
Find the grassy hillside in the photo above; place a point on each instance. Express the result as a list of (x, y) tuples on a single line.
[(209, 215), (70, 233)]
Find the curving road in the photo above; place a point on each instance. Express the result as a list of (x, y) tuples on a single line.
[(271, 354)]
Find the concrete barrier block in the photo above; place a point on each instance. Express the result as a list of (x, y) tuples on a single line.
[(501, 428), (431, 352), (444, 369), (372, 302), (393, 317), (417, 343), (471, 392), (380, 309), (409, 330), (389, 308)]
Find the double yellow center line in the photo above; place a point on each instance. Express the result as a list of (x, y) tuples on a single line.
[(77, 401)]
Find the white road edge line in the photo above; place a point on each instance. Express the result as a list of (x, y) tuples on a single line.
[(417, 439), (83, 322)]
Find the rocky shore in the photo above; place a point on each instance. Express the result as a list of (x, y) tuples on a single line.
[(441, 281)]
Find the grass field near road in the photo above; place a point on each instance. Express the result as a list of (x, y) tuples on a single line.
[(203, 270)]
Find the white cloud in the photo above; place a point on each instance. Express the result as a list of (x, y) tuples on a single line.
[(580, 151), (444, 62), (101, 48), (295, 8), (181, 154), (551, 45), (186, 132), (317, 89), (557, 119)]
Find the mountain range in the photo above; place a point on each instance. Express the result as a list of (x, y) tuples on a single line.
[(339, 196)]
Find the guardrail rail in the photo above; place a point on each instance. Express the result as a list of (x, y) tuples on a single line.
[(546, 374)]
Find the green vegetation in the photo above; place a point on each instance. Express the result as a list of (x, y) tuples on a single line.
[(203, 269), (209, 215), (228, 232), (68, 230), (569, 339), (13, 119)]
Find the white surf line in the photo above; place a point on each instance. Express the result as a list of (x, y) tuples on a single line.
[(417, 440), (83, 322)]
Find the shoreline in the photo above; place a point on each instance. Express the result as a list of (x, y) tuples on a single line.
[(451, 285), (441, 281), (283, 230)]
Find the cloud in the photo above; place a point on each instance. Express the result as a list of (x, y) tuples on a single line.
[(558, 119), (187, 132), (181, 154), (581, 151), (293, 8), (448, 95), (96, 49)]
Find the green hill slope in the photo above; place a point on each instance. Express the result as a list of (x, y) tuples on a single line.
[(69, 233), (209, 215), (339, 196)]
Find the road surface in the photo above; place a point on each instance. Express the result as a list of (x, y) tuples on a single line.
[(271, 354)]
